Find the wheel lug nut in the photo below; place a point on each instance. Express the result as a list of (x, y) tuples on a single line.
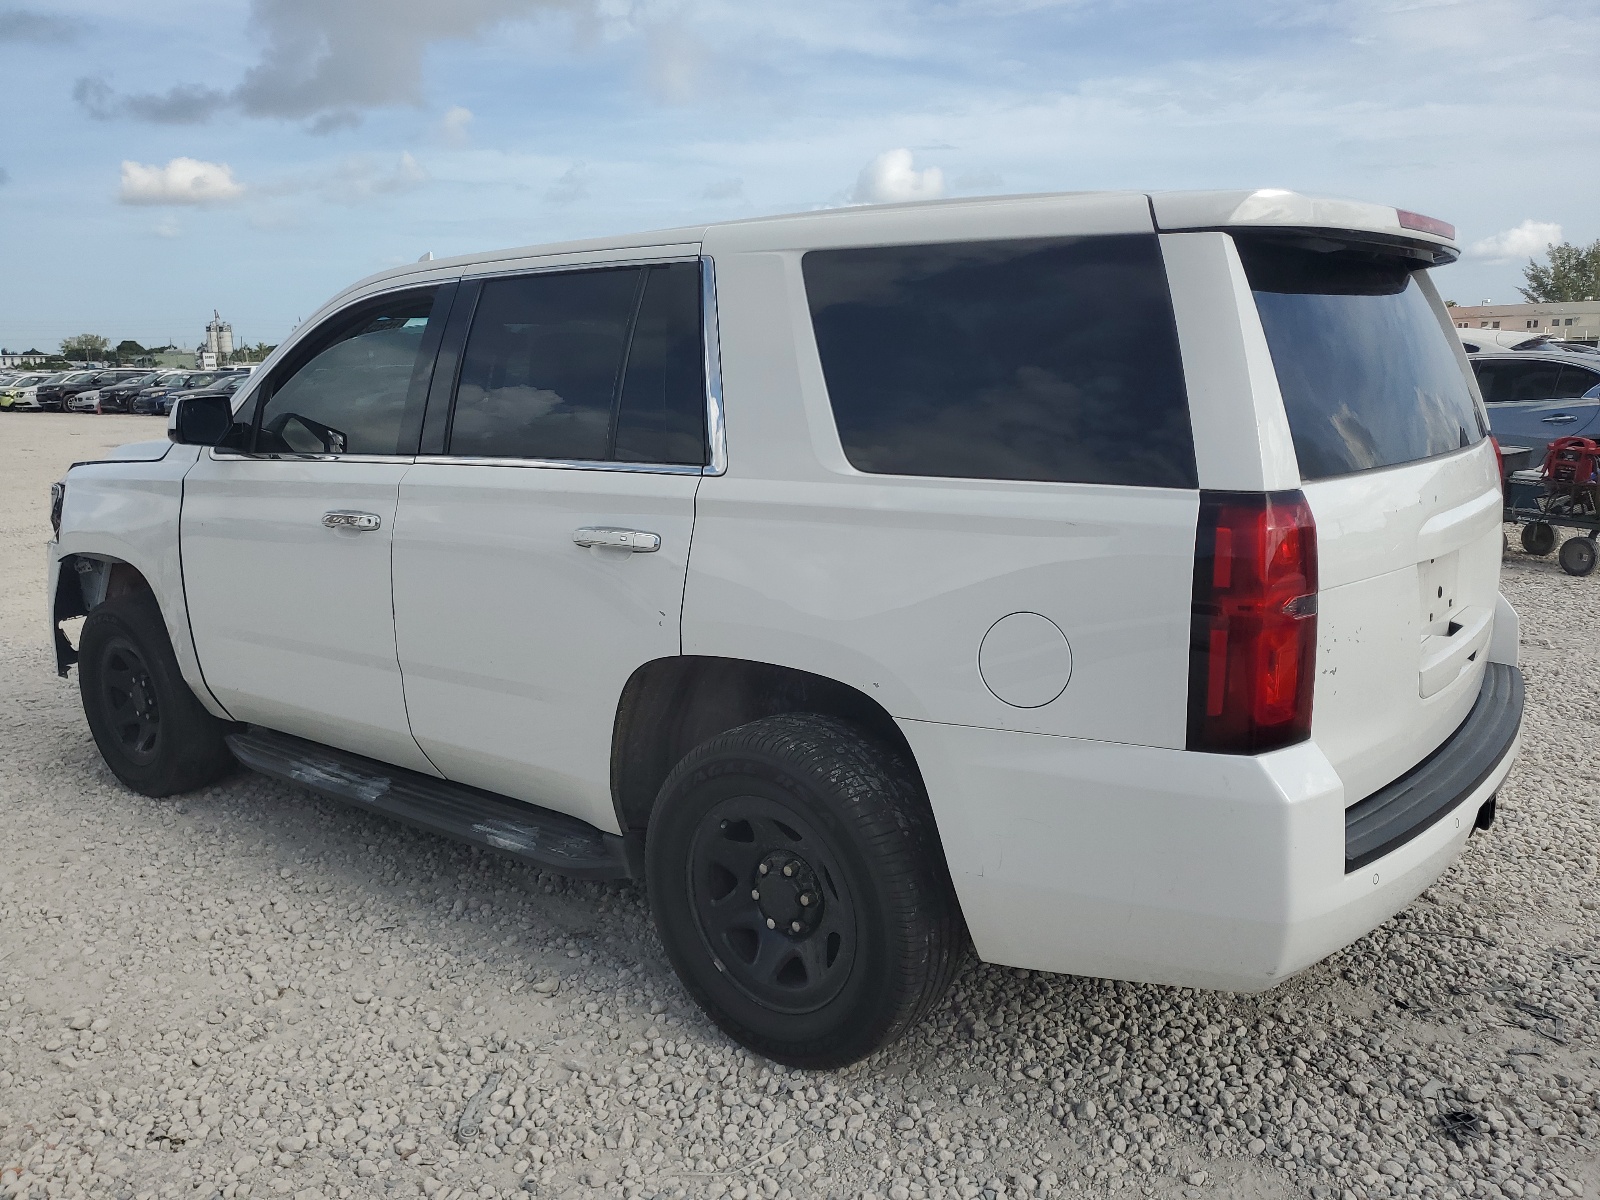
[(805, 900), (755, 893), (789, 870), (762, 868), (794, 926), (771, 924)]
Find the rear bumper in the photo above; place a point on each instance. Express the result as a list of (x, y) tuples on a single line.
[(1165, 866)]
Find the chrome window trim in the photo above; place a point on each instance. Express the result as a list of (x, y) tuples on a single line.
[(560, 464), (235, 456), (635, 256), (716, 428)]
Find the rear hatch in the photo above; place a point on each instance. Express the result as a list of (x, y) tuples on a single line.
[(1401, 479)]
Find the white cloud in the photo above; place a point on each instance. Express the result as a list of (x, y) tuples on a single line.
[(455, 127), (571, 187), (363, 177), (181, 181), (891, 178), (1522, 241)]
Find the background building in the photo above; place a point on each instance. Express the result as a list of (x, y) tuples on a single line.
[(1576, 322)]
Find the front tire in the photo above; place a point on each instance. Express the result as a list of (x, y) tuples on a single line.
[(152, 732), (797, 881)]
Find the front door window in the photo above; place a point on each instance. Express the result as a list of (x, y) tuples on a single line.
[(358, 388)]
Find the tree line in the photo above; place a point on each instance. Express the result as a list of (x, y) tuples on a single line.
[(1571, 274)]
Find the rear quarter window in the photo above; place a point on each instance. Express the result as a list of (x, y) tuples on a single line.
[(1369, 376), (1041, 359)]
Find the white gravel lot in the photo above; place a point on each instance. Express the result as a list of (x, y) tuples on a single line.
[(251, 991)]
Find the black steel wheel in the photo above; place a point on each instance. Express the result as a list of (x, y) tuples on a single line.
[(1577, 556), (798, 884), (1538, 538), (127, 697), (152, 732), (769, 905)]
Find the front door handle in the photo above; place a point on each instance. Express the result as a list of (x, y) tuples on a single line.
[(346, 518), (1559, 419), (636, 540)]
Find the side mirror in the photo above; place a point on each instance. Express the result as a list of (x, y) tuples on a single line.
[(201, 421)]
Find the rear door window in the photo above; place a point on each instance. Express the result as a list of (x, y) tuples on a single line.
[(1575, 381), (1369, 376), (593, 365), (1041, 359), (1502, 380)]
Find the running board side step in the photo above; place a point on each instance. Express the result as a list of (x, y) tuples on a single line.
[(549, 840)]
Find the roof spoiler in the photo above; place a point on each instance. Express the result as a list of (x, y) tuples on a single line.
[(1274, 209)]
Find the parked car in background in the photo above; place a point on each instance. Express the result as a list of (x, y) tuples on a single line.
[(53, 395), (118, 397), (1536, 396), (148, 401), (88, 399), (22, 393), (226, 385)]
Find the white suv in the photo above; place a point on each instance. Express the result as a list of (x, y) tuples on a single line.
[(1108, 579)]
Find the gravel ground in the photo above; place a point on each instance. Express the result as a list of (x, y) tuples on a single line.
[(251, 991)]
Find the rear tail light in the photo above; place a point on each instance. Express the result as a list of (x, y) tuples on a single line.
[(58, 497), (1253, 636), (1499, 461)]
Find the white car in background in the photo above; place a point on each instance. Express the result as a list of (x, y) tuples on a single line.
[(22, 393)]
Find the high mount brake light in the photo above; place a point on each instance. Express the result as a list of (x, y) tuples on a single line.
[(1253, 634), (1422, 224)]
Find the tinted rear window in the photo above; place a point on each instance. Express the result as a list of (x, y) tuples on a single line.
[(1052, 360), (1369, 376)]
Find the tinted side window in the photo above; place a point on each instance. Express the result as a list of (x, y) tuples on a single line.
[(1575, 381), (540, 370), (351, 397), (1050, 360), (661, 413), (1535, 380)]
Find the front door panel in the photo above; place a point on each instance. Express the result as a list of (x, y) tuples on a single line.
[(292, 619)]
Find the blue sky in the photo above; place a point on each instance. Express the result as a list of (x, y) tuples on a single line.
[(165, 158)]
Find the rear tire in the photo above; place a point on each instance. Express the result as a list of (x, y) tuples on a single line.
[(797, 881), (152, 732), (1538, 538), (1577, 556)]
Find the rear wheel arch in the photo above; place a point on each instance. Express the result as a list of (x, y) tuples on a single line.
[(671, 705)]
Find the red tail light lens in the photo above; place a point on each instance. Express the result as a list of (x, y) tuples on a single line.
[(1253, 641), (1499, 460)]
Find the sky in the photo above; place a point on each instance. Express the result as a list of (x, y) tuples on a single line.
[(165, 159)]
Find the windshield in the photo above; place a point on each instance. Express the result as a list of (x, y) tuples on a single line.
[(30, 380), (1368, 373), (169, 381)]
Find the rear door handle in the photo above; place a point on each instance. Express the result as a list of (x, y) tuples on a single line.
[(346, 518), (1559, 419), (636, 540)]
